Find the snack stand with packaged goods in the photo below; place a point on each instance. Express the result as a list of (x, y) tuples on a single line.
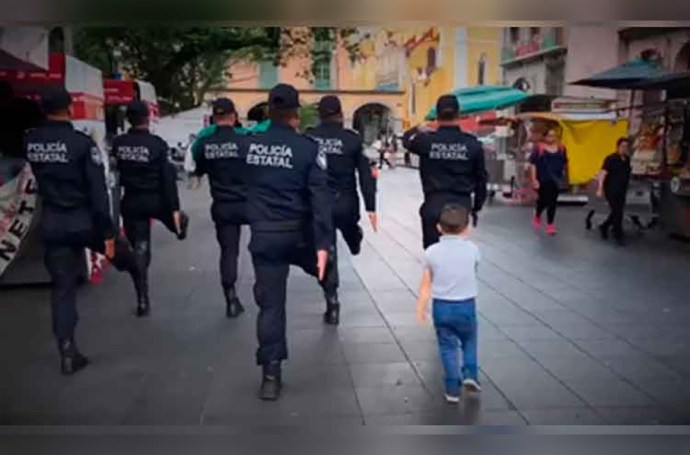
[(662, 148)]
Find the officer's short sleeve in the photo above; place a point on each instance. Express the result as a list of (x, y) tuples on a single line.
[(320, 198), (98, 191)]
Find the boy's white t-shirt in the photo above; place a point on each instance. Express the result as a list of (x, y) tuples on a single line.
[(453, 264)]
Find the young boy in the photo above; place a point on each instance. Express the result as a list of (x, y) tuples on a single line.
[(450, 280)]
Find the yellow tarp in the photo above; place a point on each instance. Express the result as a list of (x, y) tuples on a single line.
[(588, 142)]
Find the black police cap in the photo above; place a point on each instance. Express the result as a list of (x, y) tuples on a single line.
[(137, 111), (223, 106), (55, 99), (448, 104), (283, 96), (329, 105)]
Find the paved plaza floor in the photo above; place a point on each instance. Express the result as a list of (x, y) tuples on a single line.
[(572, 331)]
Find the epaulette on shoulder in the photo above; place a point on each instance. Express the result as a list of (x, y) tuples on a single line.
[(353, 132), (309, 137)]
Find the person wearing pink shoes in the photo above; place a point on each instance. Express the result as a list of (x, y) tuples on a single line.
[(548, 164)]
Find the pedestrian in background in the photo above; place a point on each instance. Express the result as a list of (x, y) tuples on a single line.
[(613, 180), (548, 163), (450, 280)]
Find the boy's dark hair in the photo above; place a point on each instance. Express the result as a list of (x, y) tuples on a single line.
[(454, 219), (622, 140)]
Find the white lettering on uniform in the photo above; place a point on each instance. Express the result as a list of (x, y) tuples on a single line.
[(221, 151), (138, 154), (330, 146), (270, 155), (47, 152), (453, 151)]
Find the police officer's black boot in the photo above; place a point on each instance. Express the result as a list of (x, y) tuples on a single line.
[(233, 307), (332, 314), (271, 382), (184, 226), (71, 360)]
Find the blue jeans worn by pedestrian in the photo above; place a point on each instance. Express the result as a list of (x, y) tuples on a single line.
[(456, 327)]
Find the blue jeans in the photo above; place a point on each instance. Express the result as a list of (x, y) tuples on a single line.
[(456, 326)]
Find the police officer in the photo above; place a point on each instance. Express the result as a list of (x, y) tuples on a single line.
[(149, 181), (219, 156), (76, 208), (343, 149), (451, 166), (289, 211)]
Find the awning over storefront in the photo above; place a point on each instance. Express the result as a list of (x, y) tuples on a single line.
[(627, 76), (484, 98)]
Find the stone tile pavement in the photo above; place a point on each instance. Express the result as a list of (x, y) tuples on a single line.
[(572, 331)]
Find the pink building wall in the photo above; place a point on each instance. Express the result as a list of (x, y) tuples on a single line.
[(591, 49)]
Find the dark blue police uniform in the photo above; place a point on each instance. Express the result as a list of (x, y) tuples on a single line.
[(344, 151), (222, 156), (452, 168), (289, 211), (149, 182), (76, 213)]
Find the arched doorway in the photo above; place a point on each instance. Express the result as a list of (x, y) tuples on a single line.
[(372, 120), (682, 63)]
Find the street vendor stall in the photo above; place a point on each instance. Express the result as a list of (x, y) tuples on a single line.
[(588, 130), (662, 149)]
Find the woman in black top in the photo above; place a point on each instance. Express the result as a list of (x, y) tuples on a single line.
[(613, 184)]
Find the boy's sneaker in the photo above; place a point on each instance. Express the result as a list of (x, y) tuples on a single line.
[(551, 229), (536, 222), (471, 385), (452, 398)]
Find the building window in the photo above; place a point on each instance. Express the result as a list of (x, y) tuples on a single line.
[(514, 35), (322, 73), (430, 60), (268, 74), (481, 70)]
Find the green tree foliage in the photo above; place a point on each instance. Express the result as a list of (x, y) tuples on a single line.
[(184, 63)]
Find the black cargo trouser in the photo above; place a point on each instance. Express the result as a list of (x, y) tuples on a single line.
[(274, 249), (64, 264), (228, 219), (430, 211)]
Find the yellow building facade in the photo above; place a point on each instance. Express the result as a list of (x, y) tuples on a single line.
[(403, 71)]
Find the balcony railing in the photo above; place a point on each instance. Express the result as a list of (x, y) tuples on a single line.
[(548, 38)]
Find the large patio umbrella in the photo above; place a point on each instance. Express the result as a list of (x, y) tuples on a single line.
[(484, 98), (671, 82), (627, 76)]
